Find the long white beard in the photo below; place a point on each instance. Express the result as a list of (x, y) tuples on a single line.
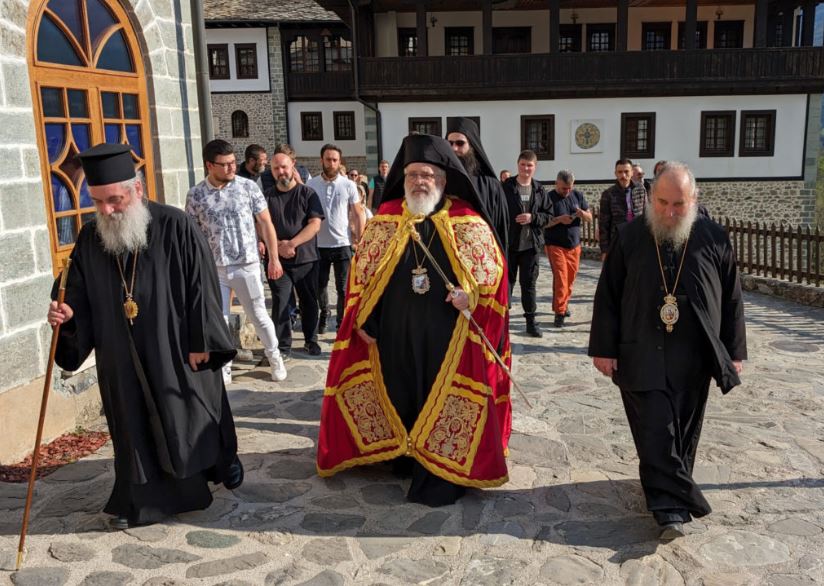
[(125, 231), (420, 204), (677, 234)]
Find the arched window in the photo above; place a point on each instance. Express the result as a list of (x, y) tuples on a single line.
[(88, 87), (240, 124), (304, 55), (338, 53)]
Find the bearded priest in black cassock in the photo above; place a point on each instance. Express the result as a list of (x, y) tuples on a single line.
[(143, 294), (668, 318)]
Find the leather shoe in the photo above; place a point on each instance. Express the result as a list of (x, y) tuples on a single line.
[(567, 313), (671, 531), (234, 476), (119, 523), (559, 320)]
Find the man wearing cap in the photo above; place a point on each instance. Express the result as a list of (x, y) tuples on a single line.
[(464, 137), (410, 379), (143, 294)]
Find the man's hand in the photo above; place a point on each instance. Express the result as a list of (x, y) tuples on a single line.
[(366, 337), (458, 298), (606, 366), (274, 271), (603, 256), (523, 219), (566, 219), (196, 358), (286, 249), (59, 315), (739, 366), (261, 248)]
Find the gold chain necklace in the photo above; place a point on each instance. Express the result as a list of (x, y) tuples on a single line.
[(130, 307), (420, 278), (669, 311)]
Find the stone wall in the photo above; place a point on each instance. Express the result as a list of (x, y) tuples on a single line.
[(25, 249), (258, 107), (771, 201), (278, 84)]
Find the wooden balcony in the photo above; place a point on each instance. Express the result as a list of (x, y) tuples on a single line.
[(320, 86), (567, 75)]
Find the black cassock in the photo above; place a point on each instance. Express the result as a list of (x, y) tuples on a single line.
[(171, 427), (495, 207), (664, 377), (413, 333)]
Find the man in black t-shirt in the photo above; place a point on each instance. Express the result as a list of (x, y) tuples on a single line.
[(562, 240), (297, 214), (377, 185)]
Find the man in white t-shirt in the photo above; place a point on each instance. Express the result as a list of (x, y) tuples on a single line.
[(339, 198)]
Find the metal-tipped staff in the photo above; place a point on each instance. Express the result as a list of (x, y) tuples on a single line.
[(61, 295), (466, 313)]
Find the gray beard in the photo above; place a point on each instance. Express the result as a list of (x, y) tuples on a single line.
[(677, 235), (126, 231), (423, 205)]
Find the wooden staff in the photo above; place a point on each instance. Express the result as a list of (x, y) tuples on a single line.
[(61, 295)]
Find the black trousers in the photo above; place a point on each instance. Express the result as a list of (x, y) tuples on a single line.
[(666, 426), (337, 259), (525, 262), (302, 279)]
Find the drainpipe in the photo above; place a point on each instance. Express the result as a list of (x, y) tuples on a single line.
[(204, 97), (373, 107)]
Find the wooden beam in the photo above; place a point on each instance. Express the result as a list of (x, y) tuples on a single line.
[(487, 27), (623, 25), (690, 24), (760, 23), (554, 25), (423, 40), (807, 23)]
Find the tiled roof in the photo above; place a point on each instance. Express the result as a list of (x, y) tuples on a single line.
[(266, 11)]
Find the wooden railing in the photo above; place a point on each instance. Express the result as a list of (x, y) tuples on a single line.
[(778, 251), (703, 71)]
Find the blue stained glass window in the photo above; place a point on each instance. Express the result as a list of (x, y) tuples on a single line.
[(99, 20), (62, 196), (55, 139), (52, 101), (113, 133), (133, 136), (66, 230), (77, 104), (85, 198), (115, 55), (130, 109), (111, 105), (81, 136), (53, 45), (69, 13)]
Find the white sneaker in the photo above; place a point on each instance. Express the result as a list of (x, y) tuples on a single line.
[(278, 368), (227, 373)]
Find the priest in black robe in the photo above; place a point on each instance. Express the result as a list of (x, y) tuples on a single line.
[(143, 294), (464, 136), (668, 318)]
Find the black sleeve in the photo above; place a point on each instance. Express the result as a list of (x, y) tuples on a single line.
[(733, 332), (605, 331), (76, 338), (604, 222), (313, 207), (542, 209)]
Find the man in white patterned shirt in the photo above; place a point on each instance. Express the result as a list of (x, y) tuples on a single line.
[(226, 208)]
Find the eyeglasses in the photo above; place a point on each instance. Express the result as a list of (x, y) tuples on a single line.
[(415, 176), (228, 165), (459, 143)]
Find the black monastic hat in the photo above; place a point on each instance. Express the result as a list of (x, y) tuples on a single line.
[(470, 130), (425, 148), (107, 163)]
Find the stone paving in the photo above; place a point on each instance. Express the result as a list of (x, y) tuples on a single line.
[(572, 512)]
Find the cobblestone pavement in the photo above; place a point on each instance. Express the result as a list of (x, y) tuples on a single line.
[(572, 512)]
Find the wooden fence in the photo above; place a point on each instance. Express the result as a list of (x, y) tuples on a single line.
[(769, 250)]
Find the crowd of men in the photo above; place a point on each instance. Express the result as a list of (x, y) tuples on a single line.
[(420, 373)]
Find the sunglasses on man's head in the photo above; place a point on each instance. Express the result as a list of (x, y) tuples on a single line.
[(459, 143)]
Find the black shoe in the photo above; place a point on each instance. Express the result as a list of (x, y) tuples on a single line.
[(567, 313), (671, 531), (119, 523), (532, 328), (234, 476), (312, 348), (559, 320)]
